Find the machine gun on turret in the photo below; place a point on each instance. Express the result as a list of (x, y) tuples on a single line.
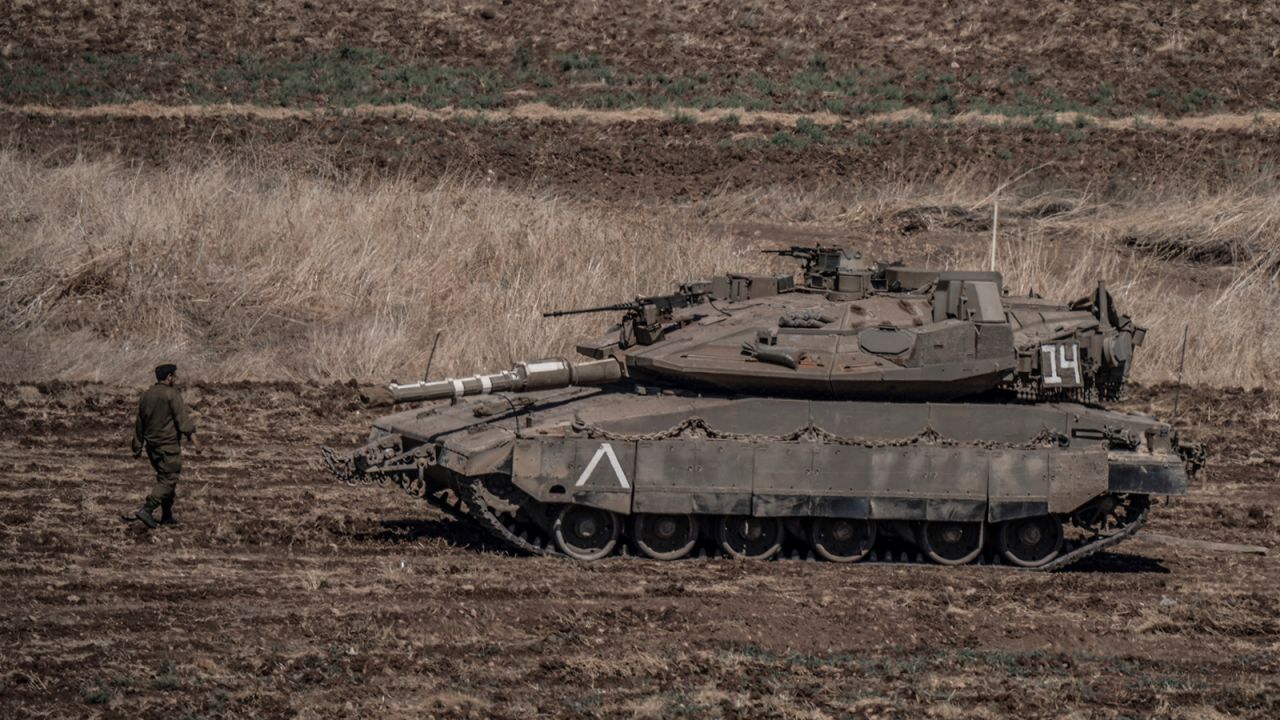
[(643, 323), (662, 304), (823, 259), (824, 265), (827, 268)]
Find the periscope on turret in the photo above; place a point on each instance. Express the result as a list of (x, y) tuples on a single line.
[(848, 413)]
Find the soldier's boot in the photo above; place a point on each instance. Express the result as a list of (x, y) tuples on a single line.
[(166, 514), (144, 514)]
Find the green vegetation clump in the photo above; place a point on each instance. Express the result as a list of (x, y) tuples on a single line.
[(865, 139), (1200, 100), (166, 677), (788, 141), (810, 130), (98, 696)]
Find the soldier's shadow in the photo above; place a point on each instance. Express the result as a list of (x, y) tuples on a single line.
[(1119, 563)]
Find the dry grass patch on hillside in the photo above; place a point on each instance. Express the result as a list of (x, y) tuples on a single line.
[(240, 272), (244, 273)]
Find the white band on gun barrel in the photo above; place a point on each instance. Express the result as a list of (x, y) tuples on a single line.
[(486, 385), (457, 388), (545, 365)]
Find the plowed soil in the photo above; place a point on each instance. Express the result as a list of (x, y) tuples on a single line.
[(663, 160), (283, 593), (1125, 55), (1123, 65)]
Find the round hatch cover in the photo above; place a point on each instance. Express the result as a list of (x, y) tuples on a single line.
[(885, 341)]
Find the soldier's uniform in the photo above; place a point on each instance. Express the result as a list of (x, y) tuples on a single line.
[(162, 423)]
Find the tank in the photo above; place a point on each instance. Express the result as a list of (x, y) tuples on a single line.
[(850, 411)]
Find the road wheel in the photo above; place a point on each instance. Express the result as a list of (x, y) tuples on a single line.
[(665, 537), (586, 533), (1030, 542), (948, 542), (842, 539), (749, 538)]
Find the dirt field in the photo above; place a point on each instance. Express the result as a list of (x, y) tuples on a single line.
[(1106, 97), (306, 164), (284, 593), (1118, 57)]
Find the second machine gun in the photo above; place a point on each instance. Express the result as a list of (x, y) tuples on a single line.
[(643, 322)]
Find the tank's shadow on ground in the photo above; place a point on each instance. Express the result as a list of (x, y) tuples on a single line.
[(1119, 563)]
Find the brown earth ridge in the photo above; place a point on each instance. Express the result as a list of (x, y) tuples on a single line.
[(722, 95), (663, 160)]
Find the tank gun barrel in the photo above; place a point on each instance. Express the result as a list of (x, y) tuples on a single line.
[(525, 376)]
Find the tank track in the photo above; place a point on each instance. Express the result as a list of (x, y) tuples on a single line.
[(473, 501), (474, 496), (529, 541), (1095, 545)]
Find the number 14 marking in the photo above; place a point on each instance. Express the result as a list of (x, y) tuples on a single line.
[(1057, 359)]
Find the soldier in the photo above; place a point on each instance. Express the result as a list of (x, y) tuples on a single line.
[(162, 423)]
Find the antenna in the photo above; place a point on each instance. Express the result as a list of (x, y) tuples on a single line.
[(995, 222), (427, 374), (1182, 362)]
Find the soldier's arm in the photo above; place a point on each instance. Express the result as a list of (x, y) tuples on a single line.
[(137, 434), (181, 418)]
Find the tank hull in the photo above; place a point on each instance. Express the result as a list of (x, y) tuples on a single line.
[(522, 463)]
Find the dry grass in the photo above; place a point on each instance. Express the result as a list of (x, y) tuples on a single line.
[(241, 272), (1204, 264), (540, 111)]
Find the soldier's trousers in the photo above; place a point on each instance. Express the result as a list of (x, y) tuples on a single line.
[(167, 461)]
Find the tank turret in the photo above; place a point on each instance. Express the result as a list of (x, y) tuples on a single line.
[(856, 330)]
